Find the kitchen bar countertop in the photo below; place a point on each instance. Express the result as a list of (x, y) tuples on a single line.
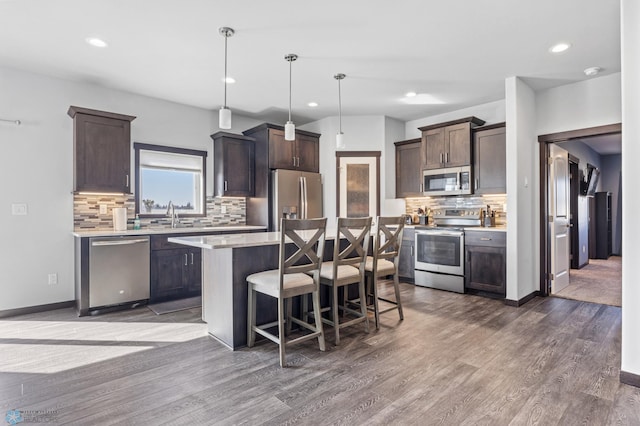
[(184, 230)]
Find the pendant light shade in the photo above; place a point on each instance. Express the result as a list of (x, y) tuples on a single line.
[(340, 136), (224, 115), (290, 128)]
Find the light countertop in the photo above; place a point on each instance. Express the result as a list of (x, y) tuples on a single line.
[(155, 231)]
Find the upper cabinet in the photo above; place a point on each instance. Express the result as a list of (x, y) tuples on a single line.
[(408, 166), (490, 159), (448, 144), (233, 165), (102, 150), (301, 154)]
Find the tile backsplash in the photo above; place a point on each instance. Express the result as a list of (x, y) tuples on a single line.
[(497, 202), (87, 217)]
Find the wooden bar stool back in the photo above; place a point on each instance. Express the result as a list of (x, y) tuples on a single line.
[(387, 241), (289, 280), (347, 268)]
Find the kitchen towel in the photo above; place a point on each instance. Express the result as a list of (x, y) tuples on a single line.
[(120, 219)]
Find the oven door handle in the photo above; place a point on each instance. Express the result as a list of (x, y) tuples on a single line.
[(441, 233)]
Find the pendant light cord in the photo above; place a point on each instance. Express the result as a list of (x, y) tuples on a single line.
[(225, 69), (290, 60), (340, 106)]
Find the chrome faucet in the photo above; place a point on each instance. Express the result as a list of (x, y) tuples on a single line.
[(171, 211)]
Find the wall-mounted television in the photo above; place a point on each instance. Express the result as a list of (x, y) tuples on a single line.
[(590, 181)]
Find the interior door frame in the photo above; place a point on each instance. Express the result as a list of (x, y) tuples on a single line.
[(543, 143), (374, 154)]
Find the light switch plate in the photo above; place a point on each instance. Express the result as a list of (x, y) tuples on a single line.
[(103, 209), (19, 209), (53, 279), (223, 209)]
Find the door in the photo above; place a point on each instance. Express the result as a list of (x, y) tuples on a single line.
[(312, 190), (358, 185), (457, 141), (433, 149), (307, 153), (282, 153), (559, 216), (286, 196)]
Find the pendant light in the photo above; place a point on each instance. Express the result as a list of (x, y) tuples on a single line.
[(340, 136), (290, 128), (224, 116)]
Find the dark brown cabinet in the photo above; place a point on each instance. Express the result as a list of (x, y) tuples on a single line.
[(490, 159), (448, 144), (301, 154), (176, 272), (233, 165), (102, 150), (485, 262), (408, 168), (406, 261)]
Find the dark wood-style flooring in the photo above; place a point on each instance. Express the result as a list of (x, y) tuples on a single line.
[(454, 360)]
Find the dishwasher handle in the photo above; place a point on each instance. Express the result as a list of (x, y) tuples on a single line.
[(118, 242)]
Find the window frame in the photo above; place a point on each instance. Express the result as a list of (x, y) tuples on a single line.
[(138, 146)]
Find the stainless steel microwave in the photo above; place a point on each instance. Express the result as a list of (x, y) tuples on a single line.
[(449, 181)]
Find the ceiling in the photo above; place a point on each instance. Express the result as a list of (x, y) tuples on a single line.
[(459, 52), (604, 144)]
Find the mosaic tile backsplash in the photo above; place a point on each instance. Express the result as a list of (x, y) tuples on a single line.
[(87, 217), (497, 203)]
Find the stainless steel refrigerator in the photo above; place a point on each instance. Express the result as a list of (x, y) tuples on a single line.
[(295, 195)]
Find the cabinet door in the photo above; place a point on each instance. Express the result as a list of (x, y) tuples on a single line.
[(486, 269), (433, 149), (408, 170), (193, 273), (238, 159), (457, 145), (282, 153), (406, 262), (167, 274), (102, 154), (490, 161), (308, 153)]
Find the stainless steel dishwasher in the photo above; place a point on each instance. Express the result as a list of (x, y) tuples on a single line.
[(118, 270)]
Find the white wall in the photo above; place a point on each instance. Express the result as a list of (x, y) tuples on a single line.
[(589, 103), (522, 191), (630, 16), (36, 168), (393, 132), (492, 112)]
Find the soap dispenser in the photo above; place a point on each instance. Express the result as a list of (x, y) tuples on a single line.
[(136, 223)]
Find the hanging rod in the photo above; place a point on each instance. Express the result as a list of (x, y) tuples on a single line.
[(16, 122)]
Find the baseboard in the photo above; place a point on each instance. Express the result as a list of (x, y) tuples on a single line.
[(522, 301), (38, 308), (630, 379)]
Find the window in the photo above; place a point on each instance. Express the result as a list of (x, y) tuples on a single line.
[(169, 175)]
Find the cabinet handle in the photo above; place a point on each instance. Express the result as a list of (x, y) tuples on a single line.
[(476, 183), (411, 251), (185, 259), (485, 239), (422, 187), (294, 161), (225, 185), (446, 157), (441, 157), (298, 161), (192, 258), (126, 185)]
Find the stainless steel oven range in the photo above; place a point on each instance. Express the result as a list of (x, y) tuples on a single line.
[(439, 259)]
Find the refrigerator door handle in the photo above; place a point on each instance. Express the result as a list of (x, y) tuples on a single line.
[(303, 197)]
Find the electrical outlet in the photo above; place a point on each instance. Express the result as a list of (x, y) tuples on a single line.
[(223, 209), (103, 209), (19, 209), (53, 279)]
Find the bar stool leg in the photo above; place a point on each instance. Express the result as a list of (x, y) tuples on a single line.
[(335, 314), (281, 338), (251, 317), (363, 304), (317, 315), (396, 286), (376, 308)]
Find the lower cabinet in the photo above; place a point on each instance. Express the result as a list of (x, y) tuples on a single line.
[(486, 262), (406, 262), (176, 273)]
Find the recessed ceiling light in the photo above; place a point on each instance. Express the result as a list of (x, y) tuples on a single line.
[(422, 99), (411, 94), (229, 80), (313, 104), (96, 42), (559, 48), (592, 71)]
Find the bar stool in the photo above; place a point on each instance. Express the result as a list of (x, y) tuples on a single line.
[(290, 280), (387, 240), (347, 267)]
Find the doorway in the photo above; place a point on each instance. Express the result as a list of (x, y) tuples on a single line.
[(592, 278)]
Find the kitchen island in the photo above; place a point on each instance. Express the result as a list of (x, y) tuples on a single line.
[(227, 260)]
